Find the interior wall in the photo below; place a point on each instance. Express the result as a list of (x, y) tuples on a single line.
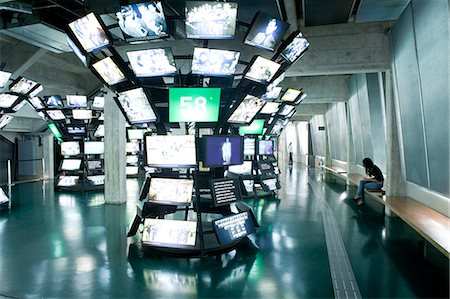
[(317, 122), (336, 118)]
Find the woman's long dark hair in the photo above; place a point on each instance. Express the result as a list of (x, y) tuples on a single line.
[(368, 164)]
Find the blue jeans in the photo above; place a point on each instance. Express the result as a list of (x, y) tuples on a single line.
[(363, 184)]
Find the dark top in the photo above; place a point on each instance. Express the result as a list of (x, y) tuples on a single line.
[(376, 173)]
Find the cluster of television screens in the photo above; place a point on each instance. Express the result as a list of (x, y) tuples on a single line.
[(73, 180), (73, 148)]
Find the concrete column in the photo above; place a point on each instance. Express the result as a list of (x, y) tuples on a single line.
[(49, 156), (115, 138), (351, 158)]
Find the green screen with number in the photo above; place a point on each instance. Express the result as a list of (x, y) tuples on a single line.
[(194, 104)]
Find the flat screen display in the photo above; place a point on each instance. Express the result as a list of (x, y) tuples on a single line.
[(295, 48), (71, 164), (291, 95), (67, 181), (171, 150), (244, 169), (131, 170), (171, 191), (249, 146), (136, 106), (7, 100), (231, 228), (286, 109), (76, 130), (95, 164), (223, 150), (77, 51), (22, 85), (56, 114), (265, 147), (132, 147), (142, 21), (213, 62), (100, 131), (53, 101), (76, 101), (132, 159), (99, 103), (210, 20), (170, 233), (262, 70), (109, 71), (225, 191), (247, 110), (36, 91), (194, 104), (135, 134), (270, 108), (277, 127), (272, 94), (4, 120), (152, 62), (3, 197), (266, 32), (256, 127), (96, 180), (36, 103), (4, 78), (19, 106), (270, 184), (70, 148), (94, 148), (89, 33), (81, 114)]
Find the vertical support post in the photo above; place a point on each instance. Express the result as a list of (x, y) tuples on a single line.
[(43, 169), (9, 173), (197, 201)]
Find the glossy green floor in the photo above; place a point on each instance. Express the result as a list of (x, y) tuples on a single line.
[(65, 245)]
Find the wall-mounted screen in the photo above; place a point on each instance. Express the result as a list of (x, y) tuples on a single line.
[(70, 148), (89, 33), (94, 165), (247, 110), (295, 49), (194, 104), (266, 32), (249, 146), (55, 114), (136, 106), (81, 114), (4, 120), (76, 130), (77, 51), (262, 70), (132, 170), (94, 148), (291, 95), (109, 71), (169, 233), (53, 101), (7, 100), (171, 191), (213, 62), (136, 134), (223, 150), (96, 180), (210, 20), (4, 78), (36, 103), (142, 21), (256, 127), (171, 150), (71, 164), (132, 147), (99, 103), (76, 101), (67, 181), (231, 228), (152, 62), (100, 131), (22, 85), (265, 147), (244, 169)]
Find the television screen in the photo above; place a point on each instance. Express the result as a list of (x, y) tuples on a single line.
[(210, 20), (135, 134), (132, 147), (266, 167), (95, 165), (96, 180), (22, 85), (109, 71), (265, 147), (36, 90), (262, 70), (132, 159), (77, 51), (276, 128), (3, 197), (19, 106), (171, 150), (94, 147), (4, 78), (266, 32), (272, 94), (101, 117), (71, 164), (67, 181), (131, 170), (256, 127), (214, 62), (54, 101), (244, 169), (247, 110), (225, 191), (152, 62), (4, 120), (248, 185), (249, 146), (194, 104), (56, 114), (223, 150), (291, 95), (99, 103), (286, 109), (136, 106), (70, 148), (276, 81), (142, 21), (75, 101), (170, 233), (100, 131), (36, 103), (295, 48), (89, 32), (270, 108), (81, 114), (7, 100), (270, 184), (231, 228), (76, 130), (170, 191)]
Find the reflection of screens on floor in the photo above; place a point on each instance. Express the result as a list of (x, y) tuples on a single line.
[(248, 184), (67, 181), (169, 232)]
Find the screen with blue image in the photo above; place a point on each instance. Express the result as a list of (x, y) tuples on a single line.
[(223, 150)]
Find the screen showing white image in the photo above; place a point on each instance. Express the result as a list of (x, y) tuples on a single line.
[(171, 150), (36, 102), (262, 70), (4, 78), (81, 114), (109, 71), (4, 120), (131, 170), (96, 179), (214, 62), (270, 108), (244, 168), (170, 191), (67, 181), (76, 101), (24, 85), (136, 106), (6, 100), (246, 110), (71, 164), (94, 148), (3, 197), (296, 48), (132, 147), (70, 148), (152, 62), (169, 232), (249, 147), (89, 33), (132, 159), (100, 131), (99, 103), (56, 114)]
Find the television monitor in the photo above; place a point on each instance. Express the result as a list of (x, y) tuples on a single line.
[(272, 94), (71, 164), (265, 147), (132, 159), (245, 168), (247, 110), (100, 131), (4, 78), (4, 120), (296, 48), (70, 148), (249, 146), (256, 127), (135, 134), (142, 21), (234, 227), (266, 32), (136, 106), (109, 71), (22, 85), (194, 104), (53, 101), (94, 165), (131, 170), (7, 100), (169, 233), (248, 185), (291, 95), (285, 110), (96, 180), (94, 148), (77, 51), (36, 103), (152, 62), (3, 197), (19, 105), (270, 108), (225, 191), (89, 32), (99, 103), (132, 147), (82, 114), (210, 20), (276, 128), (222, 150), (36, 91), (276, 81), (76, 101), (67, 181), (170, 150), (262, 70), (56, 114), (171, 191), (266, 167), (76, 130), (101, 117), (270, 184), (211, 62)]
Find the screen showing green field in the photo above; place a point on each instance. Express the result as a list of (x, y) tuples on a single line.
[(194, 104), (256, 127)]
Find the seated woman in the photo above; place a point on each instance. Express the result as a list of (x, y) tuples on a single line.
[(373, 182)]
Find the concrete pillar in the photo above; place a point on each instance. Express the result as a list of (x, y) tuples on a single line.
[(115, 138), (351, 158), (49, 156)]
